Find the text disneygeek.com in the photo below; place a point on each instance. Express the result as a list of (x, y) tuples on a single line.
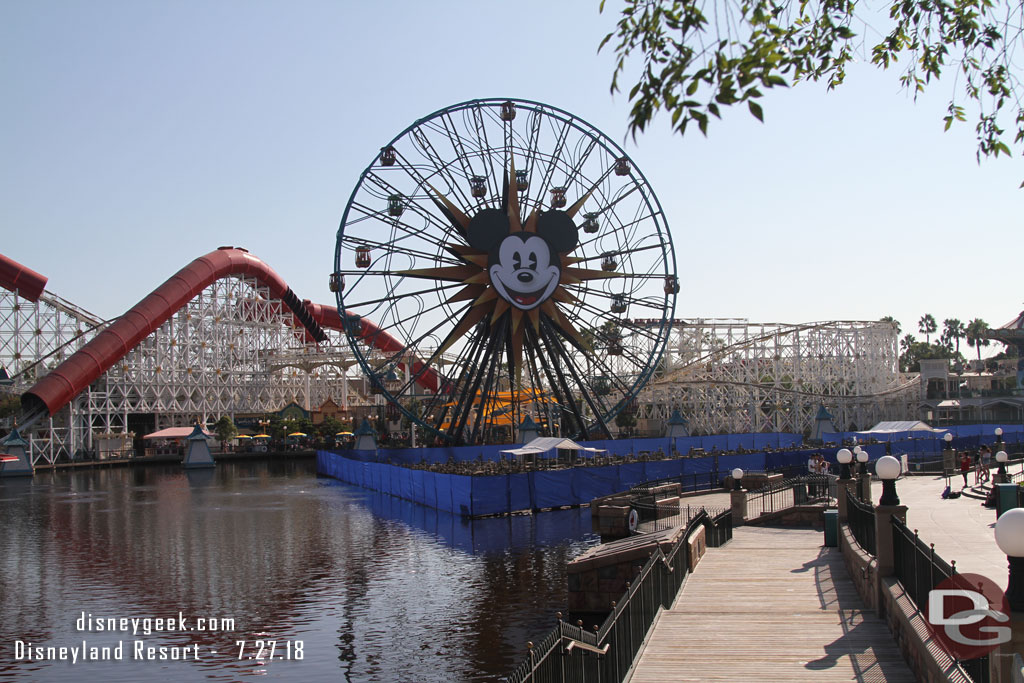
[(136, 649)]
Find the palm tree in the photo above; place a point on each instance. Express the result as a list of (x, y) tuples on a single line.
[(977, 335), (927, 326), (953, 330), (894, 321)]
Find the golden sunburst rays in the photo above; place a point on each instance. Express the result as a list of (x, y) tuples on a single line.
[(488, 307)]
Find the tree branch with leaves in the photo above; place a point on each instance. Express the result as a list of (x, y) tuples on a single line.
[(698, 56)]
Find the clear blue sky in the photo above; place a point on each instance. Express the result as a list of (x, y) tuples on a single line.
[(139, 135)]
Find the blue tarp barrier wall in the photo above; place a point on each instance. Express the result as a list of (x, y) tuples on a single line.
[(620, 447), (473, 496)]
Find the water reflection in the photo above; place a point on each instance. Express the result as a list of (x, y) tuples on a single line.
[(378, 589)]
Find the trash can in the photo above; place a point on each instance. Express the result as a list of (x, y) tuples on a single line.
[(1006, 498), (832, 528), (799, 494)]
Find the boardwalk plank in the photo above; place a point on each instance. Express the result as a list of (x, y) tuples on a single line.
[(772, 605)]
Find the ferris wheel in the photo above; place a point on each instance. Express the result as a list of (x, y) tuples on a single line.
[(503, 259)]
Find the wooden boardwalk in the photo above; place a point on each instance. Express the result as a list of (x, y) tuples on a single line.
[(772, 605)]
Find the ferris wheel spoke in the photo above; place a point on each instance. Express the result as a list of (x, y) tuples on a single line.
[(541, 370), (584, 386), (443, 168), (485, 391), (484, 147), (407, 202), (413, 232), (429, 290), (578, 166), (552, 159), (470, 380), (554, 346), (460, 148)]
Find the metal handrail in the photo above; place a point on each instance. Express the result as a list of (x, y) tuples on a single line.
[(786, 494), (607, 654), (860, 517), (919, 569)]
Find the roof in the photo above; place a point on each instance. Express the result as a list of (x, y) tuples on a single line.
[(902, 426), (1015, 324), (676, 418), (13, 439), (365, 429), (823, 414), (543, 444), (174, 433)]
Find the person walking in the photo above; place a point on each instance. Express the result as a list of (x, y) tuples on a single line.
[(985, 458), (965, 466)]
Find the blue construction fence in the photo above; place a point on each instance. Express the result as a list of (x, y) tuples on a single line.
[(483, 495), (922, 443), (616, 447), (483, 536)]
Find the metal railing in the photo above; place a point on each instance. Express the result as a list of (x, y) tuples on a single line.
[(655, 516), (920, 569), (695, 481), (570, 653), (860, 517), (805, 490)]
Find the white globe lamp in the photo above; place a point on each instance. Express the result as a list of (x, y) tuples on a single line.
[(888, 468), (845, 457), (1010, 539)]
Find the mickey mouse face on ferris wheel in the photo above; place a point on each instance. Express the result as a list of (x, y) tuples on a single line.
[(524, 267)]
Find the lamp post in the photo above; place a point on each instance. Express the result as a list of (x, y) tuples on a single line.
[(862, 458), (888, 468), (1001, 474), (845, 457), (948, 456), (1010, 539), (738, 498), (864, 479)]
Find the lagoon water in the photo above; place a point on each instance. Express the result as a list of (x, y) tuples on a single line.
[(347, 584)]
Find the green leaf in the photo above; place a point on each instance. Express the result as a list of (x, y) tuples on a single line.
[(755, 109)]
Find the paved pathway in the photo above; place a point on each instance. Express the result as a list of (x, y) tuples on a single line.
[(962, 529), (772, 605)]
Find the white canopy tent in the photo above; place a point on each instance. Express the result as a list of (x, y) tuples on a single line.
[(546, 444), (903, 426), (174, 433)]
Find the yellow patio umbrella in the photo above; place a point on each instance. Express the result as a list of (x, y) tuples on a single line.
[(261, 436), (344, 434), (297, 434)]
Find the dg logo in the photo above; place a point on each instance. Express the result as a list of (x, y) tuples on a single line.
[(968, 615)]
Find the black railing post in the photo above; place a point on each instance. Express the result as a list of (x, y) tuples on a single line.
[(917, 573), (628, 611)]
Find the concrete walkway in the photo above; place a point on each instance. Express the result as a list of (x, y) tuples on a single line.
[(772, 605), (962, 529)]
